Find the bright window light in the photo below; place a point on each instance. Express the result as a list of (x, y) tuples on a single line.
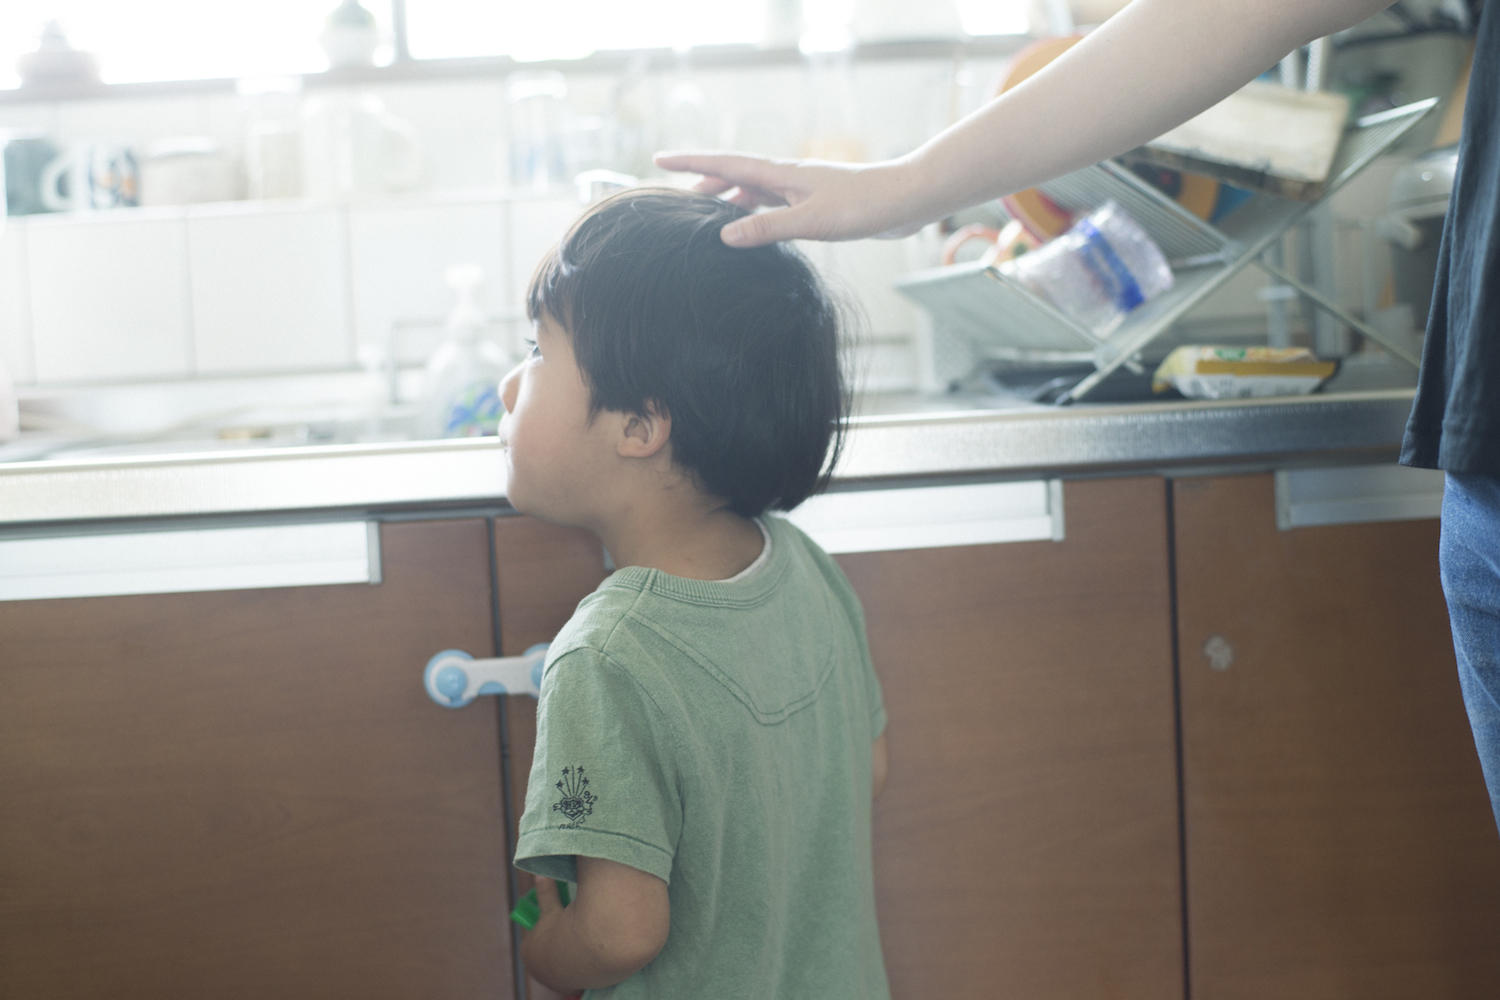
[(827, 25), (565, 29), (994, 17), (179, 39)]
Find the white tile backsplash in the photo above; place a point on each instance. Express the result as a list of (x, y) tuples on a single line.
[(460, 127), (15, 306), (757, 113), (270, 289), (287, 286), (29, 118), (109, 295), (399, 254), (535, 227), (864, 270), (148, 119)]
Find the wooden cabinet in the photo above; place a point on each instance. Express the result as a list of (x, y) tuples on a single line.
[(248, 794), (1027, 841), (1339, 841), (541, 573)]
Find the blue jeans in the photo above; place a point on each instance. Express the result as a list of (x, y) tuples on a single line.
[(1469, 555)]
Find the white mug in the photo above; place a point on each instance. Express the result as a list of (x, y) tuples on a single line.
[(98, 175), (353, 148)]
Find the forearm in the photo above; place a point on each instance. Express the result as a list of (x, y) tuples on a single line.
[(569, 956), (1149, 68), (618, 923)]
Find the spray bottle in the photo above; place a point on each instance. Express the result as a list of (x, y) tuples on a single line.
[(464, 373)]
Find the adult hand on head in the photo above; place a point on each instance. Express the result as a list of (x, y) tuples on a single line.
[(811, 199), (1149, 68)]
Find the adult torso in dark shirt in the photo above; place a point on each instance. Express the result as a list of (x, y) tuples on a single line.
[(1455, 422)]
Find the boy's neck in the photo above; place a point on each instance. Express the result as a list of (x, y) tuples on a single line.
[(690, 541)]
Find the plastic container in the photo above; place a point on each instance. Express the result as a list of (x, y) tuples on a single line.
[(464, 373), (1097, 271), (537, 106)]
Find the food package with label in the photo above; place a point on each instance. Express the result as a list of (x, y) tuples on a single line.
[(1241, 372)]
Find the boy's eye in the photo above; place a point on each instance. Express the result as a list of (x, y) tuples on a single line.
[(532, 350)]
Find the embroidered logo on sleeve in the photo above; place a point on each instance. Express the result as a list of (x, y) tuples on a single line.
[(577, 801)]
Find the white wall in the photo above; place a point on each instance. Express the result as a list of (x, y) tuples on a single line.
[(247, 288)]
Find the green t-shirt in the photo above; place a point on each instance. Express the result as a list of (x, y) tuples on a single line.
[(717, 735)]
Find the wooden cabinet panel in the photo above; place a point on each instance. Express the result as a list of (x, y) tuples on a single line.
[(1339, 840), (541, 573), (1027, 841), (248, 793)]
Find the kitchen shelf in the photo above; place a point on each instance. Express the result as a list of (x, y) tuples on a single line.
[(998, 314)]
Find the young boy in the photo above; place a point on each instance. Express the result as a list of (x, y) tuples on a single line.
[(709, 735)]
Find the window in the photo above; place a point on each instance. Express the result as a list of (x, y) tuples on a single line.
[(180, 39), (146, 40), (553, 29)]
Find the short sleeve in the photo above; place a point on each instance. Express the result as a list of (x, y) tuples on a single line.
[(602, 784)]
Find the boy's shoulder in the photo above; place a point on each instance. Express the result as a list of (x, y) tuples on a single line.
[(597, 618), (642, 621)]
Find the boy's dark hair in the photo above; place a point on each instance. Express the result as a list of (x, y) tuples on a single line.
[(740, 347)]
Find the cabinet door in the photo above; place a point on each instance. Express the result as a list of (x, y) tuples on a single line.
[(1027, 841), (1339, 840), (541, 573), (248, 793)]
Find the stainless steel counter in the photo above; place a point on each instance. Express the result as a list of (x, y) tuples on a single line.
[(1029, 442)]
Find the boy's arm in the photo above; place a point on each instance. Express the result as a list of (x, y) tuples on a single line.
[(616, 925), (880, 763)]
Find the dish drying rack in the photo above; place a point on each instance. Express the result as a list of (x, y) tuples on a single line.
[(1005, 319)]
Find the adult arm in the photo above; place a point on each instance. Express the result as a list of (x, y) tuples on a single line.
[(1146, 70), (616, 926)]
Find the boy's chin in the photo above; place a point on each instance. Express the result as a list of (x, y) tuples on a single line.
[(518, 499), (524, 503)]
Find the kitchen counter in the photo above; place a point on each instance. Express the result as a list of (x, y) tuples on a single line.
[(912, 444)]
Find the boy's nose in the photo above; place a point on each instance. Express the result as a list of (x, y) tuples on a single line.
[(508, 388)]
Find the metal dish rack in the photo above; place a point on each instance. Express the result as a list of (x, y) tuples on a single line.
[(1001, 316)]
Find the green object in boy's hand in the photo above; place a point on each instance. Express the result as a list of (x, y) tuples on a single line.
[(528, 911)]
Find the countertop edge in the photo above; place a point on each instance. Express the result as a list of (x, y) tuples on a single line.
[(1044, 443)]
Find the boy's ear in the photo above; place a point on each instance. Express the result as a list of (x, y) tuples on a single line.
[(645, 434)]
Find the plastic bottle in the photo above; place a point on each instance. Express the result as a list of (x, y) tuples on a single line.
[(464, 373), (528, 910), (1098, 271)]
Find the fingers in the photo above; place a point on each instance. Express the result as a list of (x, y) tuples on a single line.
[(747, 196), (768, 227), (731, 169), (713, 185)]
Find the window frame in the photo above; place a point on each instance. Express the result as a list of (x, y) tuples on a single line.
[(405, 68)]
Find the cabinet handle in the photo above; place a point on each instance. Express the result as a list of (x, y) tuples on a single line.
[(453, 678), (1356, 494), (925, 517), (184, 560)]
